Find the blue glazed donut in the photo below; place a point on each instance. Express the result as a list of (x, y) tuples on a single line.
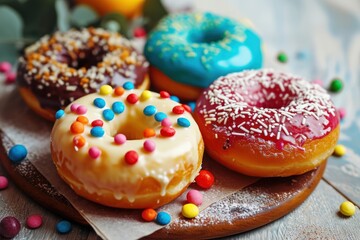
[(194, 49)]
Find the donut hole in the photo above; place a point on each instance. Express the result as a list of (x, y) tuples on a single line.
[(82, 59), (207, 36), (130, 130)]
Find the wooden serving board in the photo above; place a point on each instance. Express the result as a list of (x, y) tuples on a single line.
[(256, 205)]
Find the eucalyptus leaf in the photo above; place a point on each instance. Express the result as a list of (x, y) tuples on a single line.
[(63, 15), (83, 16), (115, 21), (153, 11)]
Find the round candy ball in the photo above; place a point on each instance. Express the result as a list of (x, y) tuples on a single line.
[(163, 218), (195, 197), (190, 210), (9, 227), (339, 150), (347, 208), (17, 153), (336, 85), (205, 179), (34, 221), (63, 227), (149, 214), (3, 182)]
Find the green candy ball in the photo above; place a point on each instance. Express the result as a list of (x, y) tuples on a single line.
[(336, 85)]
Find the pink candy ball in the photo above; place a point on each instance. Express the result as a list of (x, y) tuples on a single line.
[(149, 145), (195, 197), (3, 182), (120, 138), (318, 82), (34, 221), (342, 112), (166, 122), (81, 110), (73, 107), (5, 67), (94, 152), (10, 77)]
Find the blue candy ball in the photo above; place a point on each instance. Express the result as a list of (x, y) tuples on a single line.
[(163, 218), (17, 153), (59, 114), (63, 227), (192, 105), (97, 131), (149, 110), (175, 98), (118, 107), (128, 85), (183, 122), (159, 116), (108, 114), (99, 102)]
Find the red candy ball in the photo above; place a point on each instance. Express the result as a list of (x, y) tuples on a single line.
[(186, 107), (131, 157), (9, 227), (164, 94), (97, 122), (132, 98), (205, 179), (34, 221), (167, 132), (178, 110)]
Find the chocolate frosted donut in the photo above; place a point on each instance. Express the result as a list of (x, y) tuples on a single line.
[(60, 68)]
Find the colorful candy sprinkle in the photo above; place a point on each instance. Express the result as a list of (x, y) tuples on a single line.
[(119, 91), (132, 98), (183, 122), (195, 197), (77, 127), (149, 145), (145, 95), (149, 132), (347, 209), (148, 214), (149, 110), (128, 85), (339, 150), (79, 141), (205, 179), (166, 122), (192, 105), (190, 210), (178, 110), (167, 132), (97, 131), (82, 119), (4, 183), (63, 227), (73, 107), (94, 152), (186, 107), (9, 227), (99, 102), (336, 85), (5, 67), (34, 221), (17, 153), (119, 138), (163, 218), (81, 110), (108, 114), (59, 114), (131, 157), (97, 122), (106, 90), (175, 98), (159, 116), (164, 94), (282, 57), (118, 107)]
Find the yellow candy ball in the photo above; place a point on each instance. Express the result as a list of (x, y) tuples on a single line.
[(190, 210), (339, 150), (145, 95), (106, 90), (347, 208)]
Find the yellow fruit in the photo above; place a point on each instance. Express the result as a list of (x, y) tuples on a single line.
[(128, 8)]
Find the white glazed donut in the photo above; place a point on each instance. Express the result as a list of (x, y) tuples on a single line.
[(160, 157)]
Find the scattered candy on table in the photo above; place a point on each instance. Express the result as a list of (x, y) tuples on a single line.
[(205, 179), (195, 197), (9, 227), (17, 153), (282, 57), (148, 214), (340, 150), (5, 67), (163, 218), (190, 210), (63, 227), (3, 182), (34, 221), (347, 208), (336, 85)]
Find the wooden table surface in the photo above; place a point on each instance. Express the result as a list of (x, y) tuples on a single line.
[(322, 41)]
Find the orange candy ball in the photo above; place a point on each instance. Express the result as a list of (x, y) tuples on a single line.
[(79, 141), (149, 214), (77, 127), (149, 132), (82, 119)]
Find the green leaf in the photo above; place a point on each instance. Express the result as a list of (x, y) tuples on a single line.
[(83, 16), (115, 22), (63, 15), (153, 11)]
